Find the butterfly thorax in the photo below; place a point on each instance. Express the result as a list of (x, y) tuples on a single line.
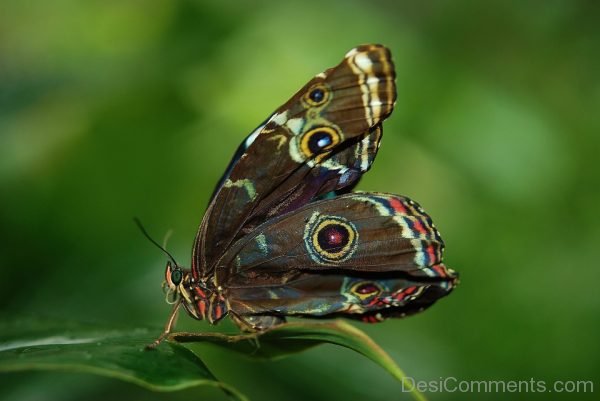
[(205, 301), (201, 298)]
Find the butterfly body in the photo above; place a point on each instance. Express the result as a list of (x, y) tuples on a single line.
[(284, 235)]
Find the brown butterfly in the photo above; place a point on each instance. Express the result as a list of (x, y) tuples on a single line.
[(284, 235)]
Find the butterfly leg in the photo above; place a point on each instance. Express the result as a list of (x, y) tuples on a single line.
[(168, 327), (256, 323)]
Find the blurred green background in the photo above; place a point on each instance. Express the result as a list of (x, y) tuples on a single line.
[(114, 109)]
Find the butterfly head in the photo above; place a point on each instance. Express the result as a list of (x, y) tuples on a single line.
[(176, 284)]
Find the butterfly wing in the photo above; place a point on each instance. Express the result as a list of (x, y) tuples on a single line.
[(309, 147), (368, 298), (367, 255), (337, 173)]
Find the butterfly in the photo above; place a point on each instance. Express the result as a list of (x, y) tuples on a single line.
[(285, 236)]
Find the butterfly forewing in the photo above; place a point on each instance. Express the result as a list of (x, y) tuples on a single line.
[(337, 173), (344, 105)]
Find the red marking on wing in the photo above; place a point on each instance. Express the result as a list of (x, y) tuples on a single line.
[(374, 302), (440, 270), (419, 227), (431, 253), (397, 205), (400, 295)]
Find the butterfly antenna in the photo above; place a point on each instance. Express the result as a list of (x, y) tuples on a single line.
[(143, 230)]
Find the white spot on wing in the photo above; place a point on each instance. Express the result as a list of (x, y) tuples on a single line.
[(345, 176), (364, 157), (295, 125), (243, 183), (351, 53), (280, 118), (363, 62), (406, 231), (295, 152), (420, 256), (252, 137), (261, 241)]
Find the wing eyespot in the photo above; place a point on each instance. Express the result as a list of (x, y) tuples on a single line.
[(330, 239), (366, 290), (317, 95), (319, 140)]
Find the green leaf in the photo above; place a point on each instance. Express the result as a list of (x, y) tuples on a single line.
[(295, 337), (50, 345), (120, 353)]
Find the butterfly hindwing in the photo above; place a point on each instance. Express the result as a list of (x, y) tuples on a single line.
[(314, 141), (370, 299), (353, 254), (368, 232)]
